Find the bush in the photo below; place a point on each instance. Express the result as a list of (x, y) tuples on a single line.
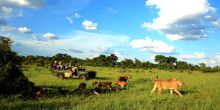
[(12, 80)]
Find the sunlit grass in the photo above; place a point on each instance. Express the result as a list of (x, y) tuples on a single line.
[(202, 91)]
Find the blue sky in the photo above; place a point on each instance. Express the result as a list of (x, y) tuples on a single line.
[(185, 29)]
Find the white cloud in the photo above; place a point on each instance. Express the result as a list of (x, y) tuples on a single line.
[(118, 54), (155, 46), (6, 10), (214, 60), (196, 55), (145, 25), (103, 50), (9, 12), (69, 20), (24, 3), (216, 23), (13, 8), (7, 28), (183, 19), (49, 36), (24, 30), (89, 25), (152, 59), (76, 15), (173, 37)]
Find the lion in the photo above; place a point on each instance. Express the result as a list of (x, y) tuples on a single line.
[(121, 84), (81, 87), (123, 81), (171, 84), (124, 78)]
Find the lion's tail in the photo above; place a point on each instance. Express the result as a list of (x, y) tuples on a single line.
[(154, 78)]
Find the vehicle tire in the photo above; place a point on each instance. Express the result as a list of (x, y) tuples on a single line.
[(83, 77)]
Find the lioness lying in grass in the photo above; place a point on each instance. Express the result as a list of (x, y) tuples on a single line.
[(171, 84), (123, 81), (124, 78)]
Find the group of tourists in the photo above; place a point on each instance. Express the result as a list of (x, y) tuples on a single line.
[(59, 65), (72, 69)]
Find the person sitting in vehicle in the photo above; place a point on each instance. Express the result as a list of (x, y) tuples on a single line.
[(69, 66), (60, 65), (54, 66), (74, 71)]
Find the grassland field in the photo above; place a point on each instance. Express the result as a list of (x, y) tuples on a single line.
[(202, 91)]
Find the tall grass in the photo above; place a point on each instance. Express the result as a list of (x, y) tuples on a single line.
[(202, 92)]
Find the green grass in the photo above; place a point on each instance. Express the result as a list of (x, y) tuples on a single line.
[(202, 92)]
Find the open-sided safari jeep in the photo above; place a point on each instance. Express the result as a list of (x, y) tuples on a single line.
[(74, 73)]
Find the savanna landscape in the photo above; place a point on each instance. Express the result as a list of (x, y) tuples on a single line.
[(109, 55), (201, 91)]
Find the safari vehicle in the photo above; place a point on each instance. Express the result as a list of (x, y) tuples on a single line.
[(78, 73)]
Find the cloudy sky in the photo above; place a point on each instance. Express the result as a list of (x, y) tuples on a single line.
[(185, 29)]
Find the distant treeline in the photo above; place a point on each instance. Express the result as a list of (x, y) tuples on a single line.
[(165, 63)]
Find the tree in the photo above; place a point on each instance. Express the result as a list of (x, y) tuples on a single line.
[(61, 56), (12, 80), (112, 60), (127, 63), (30, 59), (147, 65), (171, 60), (195, 67), (165, 62), (160, 59), (202, 65), (137, 63), (181, 65), (100, 60)]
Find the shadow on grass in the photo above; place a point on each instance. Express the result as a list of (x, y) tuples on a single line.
[(60, 91), (102, 78), (184, 92)]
